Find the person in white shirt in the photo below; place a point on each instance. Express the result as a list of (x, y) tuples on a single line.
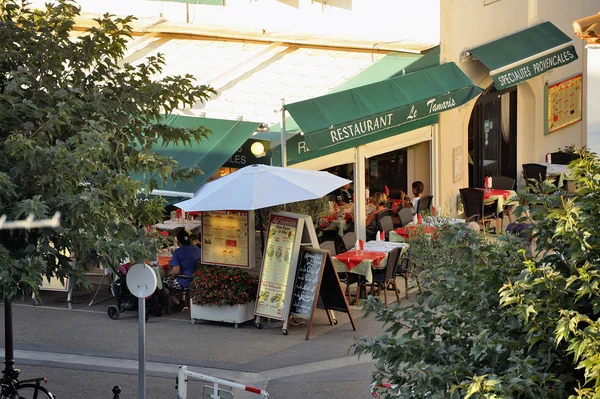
[(417, 190)]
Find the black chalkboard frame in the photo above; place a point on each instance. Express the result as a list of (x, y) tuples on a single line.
[(316, 288), (331, 294)]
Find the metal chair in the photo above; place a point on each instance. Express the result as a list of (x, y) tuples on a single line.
[(385, 222), (424, 204), (405, 215), (349, 240), (562, 158), (404, 270), (329, 246), (472, 199), (533, 173), (505, 183), (386, 277)]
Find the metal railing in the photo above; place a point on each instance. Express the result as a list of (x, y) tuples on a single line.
[(183, 374)]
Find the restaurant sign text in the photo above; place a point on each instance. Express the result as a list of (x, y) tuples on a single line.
[(342, 133)]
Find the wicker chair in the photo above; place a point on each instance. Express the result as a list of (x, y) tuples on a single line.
[(386, 277), (424, 204), (533, 173), (474, 205)]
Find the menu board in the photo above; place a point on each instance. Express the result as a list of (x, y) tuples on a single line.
[(276, 267), (225, 238), (564, 103), (306, 286)]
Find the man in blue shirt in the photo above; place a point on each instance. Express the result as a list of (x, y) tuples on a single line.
[(183, 263)]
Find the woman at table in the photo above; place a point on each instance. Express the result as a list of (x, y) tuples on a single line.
[(379, 199), (183, 263), (417, 190)]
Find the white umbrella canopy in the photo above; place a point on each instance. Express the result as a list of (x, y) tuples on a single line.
[(261, 186)]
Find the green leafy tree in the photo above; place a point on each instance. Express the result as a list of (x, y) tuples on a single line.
[(496, 321), (75, 124)]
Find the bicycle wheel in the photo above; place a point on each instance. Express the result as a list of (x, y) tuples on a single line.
[(33, 391)]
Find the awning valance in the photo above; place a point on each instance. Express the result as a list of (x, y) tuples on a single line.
[(210, 153), (351, 115), (523, 55)]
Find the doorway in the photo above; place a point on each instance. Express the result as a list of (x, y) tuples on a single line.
[(493, 136)]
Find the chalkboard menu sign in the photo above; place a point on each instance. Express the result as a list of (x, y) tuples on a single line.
[(308, 280), (316, 277)]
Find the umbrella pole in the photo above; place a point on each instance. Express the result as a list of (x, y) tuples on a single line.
[(262, 236)]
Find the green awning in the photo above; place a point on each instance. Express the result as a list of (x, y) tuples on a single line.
[(523, 55), (390, 65), (350, 115), (210, 153), (297, 151)]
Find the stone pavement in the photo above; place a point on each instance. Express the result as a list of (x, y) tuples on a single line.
[(82, 350)]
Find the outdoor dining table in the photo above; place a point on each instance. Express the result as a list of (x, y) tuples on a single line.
[(500, 197), (374, 255), (560, 171), (403, 233)]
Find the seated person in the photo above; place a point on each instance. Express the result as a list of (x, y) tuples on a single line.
[(184, 262), (343, 196), (371, 222), (417, 190)]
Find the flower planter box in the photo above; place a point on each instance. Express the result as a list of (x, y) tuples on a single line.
[(235, 314)]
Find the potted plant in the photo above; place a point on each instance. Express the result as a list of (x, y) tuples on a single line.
[(222, 293)]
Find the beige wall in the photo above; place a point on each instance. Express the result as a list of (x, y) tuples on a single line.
[(468, 23), (419, 166)]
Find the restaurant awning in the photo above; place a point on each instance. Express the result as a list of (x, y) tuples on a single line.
[(210, 153), (353, 115), (523, 55)]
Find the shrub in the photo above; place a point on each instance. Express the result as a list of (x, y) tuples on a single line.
[(495, 321), (222, 286)]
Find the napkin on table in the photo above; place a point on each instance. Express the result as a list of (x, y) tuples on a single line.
[(382, 236), (361, 245), (378, 236)]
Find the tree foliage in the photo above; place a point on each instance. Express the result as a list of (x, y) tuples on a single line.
[(75, 124), (497, 321)]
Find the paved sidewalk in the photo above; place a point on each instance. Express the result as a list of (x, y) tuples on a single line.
[(86, 345)]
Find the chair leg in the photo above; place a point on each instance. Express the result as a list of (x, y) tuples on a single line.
[(396, 290), (406, 276), (357, 298), (385, 296)]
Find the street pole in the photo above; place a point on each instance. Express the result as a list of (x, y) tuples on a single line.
[(283, 146), (141, 347), (9, 360)]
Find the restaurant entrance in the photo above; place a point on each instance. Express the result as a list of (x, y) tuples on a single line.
[(493, 136)]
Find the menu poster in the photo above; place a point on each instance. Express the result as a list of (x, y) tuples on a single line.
[(564, 103), (225, 238), (276, 268)]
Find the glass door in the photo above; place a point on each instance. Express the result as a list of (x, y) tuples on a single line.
[(492, 137)]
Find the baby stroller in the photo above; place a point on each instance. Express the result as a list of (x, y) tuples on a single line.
[(127, 301)]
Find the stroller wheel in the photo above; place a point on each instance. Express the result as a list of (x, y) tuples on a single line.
[(113, 312)]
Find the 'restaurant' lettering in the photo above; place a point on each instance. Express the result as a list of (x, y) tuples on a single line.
[(360, 128)]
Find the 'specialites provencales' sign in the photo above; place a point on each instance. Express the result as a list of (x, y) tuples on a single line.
[(504, 78)]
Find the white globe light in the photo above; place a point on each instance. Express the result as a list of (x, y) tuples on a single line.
[(257, 149)]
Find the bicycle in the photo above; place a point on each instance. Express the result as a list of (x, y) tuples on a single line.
[(12, 388)]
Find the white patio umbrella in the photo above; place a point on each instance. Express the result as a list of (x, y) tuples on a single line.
[(261, 186)]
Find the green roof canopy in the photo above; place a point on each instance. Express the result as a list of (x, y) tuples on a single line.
[(209, 154), (351, 115), (523, 55), (390, 65)]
